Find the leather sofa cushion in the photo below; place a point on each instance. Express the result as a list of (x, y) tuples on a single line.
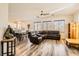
[(53, 32)]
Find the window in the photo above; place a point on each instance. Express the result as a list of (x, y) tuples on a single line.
[(50, 25), (47, 25), (59, 25), (37, 26)]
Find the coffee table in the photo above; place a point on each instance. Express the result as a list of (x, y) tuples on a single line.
[(72, 42)]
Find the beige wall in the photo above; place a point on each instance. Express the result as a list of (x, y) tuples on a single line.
[(76, 17), (3, 18)]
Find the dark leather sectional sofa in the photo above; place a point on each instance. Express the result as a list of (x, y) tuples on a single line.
[(55, 35)]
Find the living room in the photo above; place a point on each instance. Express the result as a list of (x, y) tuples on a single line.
[(56, 25)]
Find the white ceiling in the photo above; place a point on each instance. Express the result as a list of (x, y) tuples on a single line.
[(52, 8)]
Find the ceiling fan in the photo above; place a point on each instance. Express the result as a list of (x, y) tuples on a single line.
[(43, 13)]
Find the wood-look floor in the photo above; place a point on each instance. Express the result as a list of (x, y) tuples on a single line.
[(45, 48)]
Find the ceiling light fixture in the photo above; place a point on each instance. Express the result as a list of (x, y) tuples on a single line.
[(43, 13)]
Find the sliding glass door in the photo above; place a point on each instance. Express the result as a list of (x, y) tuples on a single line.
[(60, 26)]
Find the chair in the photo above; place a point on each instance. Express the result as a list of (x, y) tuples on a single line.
[(34, 38)]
